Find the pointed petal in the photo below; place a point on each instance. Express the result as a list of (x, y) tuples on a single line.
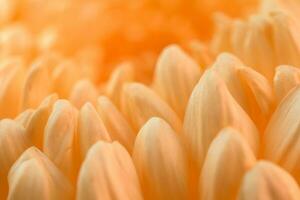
[(12, 73), (117, 126), (238, 33), (24, 117), (82, 92), (123, 74), (260, 88), (220, 179), (38, 83), (282, 134), (250, 89), (175, 76), (65, 76), (200, 52), (210, 109), (38, 120), (60, 136), (108, 173), (263, 101), (34, 170), (160, 161), (286, 50), (12, 143), (268, 181), (227, 66), (221, 37), (258, 48), (90, 128), (141, 103), (285, 79)]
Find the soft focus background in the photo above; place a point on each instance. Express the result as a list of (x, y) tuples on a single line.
[(109, 31)]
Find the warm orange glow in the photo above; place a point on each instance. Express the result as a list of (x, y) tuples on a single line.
[(149, 99)]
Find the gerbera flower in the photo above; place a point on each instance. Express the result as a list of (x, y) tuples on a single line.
[(154, 100)]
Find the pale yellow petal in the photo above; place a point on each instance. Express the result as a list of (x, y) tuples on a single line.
[(140, 103), (285, 79), (266, 181), (90, 128), (108, 173), (260, 88), (290, 10), (262, 40), (60, 137), (116, 124), (38, 85), (123, 74), (200, 52), (38, 120), (238, 33), (262, 97), (228, 159), (210, 109), (227, 66), (12, 143), (160, 161), (82, 92), (35, 177), (175, 76), (282, 135), (286, 50), (258, 48), (221, 38), (12, 73), (250, 89), (24, 117)]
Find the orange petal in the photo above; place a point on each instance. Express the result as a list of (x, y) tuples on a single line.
[(12, 143), (60, 136), (82, 92), (33, 170), (141, 103), (268, 181), (285, 79), (282, 134), (220, 179), (38, 120), (210, 109), (123, 74), (175, 76), (90, 128), (108, 173), (117, 126), (160, 161)]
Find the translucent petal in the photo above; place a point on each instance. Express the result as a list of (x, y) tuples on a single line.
[(266, 181), (141, 103), (210, 109), (116, 124), (175, 76), (161, 162), (90, 128), (108, 173), (220, 179)]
